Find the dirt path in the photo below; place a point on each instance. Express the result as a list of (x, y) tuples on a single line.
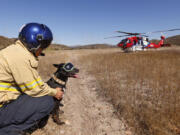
[(85, 113)]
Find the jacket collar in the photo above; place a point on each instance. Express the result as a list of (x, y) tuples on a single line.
[(18, 42)]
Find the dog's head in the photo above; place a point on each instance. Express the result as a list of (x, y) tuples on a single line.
[(65, 70)]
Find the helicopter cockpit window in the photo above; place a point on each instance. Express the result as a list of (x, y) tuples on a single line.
[(124, 41), (128, 41)]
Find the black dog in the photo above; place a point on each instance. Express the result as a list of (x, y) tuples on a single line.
[(59, 79)]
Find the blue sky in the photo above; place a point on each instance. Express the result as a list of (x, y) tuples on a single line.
[(80, 22)]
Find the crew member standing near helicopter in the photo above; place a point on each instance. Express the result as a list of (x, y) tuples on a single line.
[(24, 98)]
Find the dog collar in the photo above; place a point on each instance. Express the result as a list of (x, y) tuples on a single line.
[(58, 80)]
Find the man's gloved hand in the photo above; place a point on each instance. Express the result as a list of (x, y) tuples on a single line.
[(59, 93)]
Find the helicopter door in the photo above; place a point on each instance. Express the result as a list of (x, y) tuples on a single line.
[(145, 43)]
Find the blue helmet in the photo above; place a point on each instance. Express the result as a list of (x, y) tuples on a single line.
[(35, 35)]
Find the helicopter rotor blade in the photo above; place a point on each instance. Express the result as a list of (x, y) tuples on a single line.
[(129, 33), (126, 36), (147, 33), (165, 30), (144, 35), (123, 32), (117, 36)]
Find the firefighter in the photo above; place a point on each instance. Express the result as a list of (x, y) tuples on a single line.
[(24, 98)]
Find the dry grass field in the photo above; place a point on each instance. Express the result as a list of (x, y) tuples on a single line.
[(143, 87)]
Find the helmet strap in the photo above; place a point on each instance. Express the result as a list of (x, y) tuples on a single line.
[(38, 51), (33, 50)]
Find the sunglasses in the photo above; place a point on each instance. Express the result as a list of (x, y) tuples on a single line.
[(68, 67)]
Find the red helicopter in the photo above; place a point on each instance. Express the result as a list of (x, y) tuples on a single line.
[(140, 41)]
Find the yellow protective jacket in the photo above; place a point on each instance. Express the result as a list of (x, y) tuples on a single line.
[(18, 74)]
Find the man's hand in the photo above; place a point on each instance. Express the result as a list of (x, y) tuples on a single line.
[(59, 93)]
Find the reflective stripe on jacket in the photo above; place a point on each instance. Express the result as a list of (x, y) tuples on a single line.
[(18, 73)]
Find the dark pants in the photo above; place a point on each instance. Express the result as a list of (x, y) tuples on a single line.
[(24, 113)]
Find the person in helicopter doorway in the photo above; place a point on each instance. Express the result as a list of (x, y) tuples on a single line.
[(25, 100), (145, 42)]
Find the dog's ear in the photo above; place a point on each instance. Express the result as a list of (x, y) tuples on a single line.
[(56, 65), (61, 64)]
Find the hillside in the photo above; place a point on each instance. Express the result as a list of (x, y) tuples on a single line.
[(6, 41), (59, 47), (174, 40), (94, 46)]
